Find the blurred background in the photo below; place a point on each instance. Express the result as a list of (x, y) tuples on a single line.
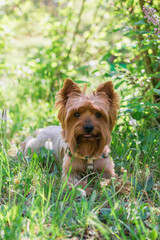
[(43, 42)]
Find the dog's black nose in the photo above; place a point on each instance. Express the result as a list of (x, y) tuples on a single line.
[(88, 128)]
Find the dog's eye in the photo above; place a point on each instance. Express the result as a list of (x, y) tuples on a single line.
[(98, 115), (77, 114)]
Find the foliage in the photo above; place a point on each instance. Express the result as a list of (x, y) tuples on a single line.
[(41, 44)]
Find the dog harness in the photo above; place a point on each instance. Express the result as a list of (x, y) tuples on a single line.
[(89, 160)]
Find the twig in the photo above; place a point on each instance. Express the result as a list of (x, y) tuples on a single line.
[(150, 202), (76, 29), (84, 178)]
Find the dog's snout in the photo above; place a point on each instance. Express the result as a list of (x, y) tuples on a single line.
[(88, 128)]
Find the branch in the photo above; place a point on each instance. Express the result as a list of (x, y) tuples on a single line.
[(76, 28)]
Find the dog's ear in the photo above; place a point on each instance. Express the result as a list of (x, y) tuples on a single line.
[(68, 89), (113, 99), (107, 88)]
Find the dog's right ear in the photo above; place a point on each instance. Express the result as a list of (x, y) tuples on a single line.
[(69, 88), (62, 96)]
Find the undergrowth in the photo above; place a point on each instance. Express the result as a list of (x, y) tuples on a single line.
[(42, 43), (35, 204)]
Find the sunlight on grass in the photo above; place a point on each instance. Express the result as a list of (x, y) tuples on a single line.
[(42, 43)]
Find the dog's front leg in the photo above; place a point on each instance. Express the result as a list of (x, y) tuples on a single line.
[(73, 168), (69, 168)]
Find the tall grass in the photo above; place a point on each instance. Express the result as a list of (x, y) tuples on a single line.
[(35, 204)]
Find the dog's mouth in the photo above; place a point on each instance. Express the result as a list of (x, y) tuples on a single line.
[(87, 136)]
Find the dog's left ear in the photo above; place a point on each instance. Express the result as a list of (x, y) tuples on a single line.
[(113, 98), (107, 88)]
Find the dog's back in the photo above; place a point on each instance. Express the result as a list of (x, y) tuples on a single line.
[(50, 138)]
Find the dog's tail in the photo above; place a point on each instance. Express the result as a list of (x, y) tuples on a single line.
[(34, 143), (37, 132), (24, 144)]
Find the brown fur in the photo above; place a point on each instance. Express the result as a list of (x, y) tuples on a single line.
[(105, 101), (76, 110)]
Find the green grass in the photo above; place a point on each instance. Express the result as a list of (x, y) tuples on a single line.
[(35, 204)]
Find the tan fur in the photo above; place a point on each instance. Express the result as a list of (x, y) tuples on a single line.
[(71, 101)]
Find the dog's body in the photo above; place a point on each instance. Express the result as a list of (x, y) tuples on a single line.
[(84, 138), (50, 138)]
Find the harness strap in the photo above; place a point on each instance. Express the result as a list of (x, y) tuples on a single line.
[(86, 158)]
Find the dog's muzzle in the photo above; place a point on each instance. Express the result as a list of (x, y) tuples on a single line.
[(88, 128)]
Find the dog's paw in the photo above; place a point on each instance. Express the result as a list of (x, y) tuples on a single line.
[(123, 187), (88, 191)]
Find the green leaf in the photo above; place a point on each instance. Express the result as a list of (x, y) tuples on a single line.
[(117, 29), (109, 74), (156, 91), (157, 85), (84, 67), (105, 57), (112, 67), (92, 199), (97, 70), (105, 211), (140, 22), (154, 234), (150, 184), (143, 32), (119, 84), (139, 187), (138, 115), (81, 81)]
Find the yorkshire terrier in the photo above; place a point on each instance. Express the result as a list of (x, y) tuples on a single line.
[(82, 141)]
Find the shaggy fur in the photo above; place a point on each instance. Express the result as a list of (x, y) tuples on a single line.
[(86, 125)]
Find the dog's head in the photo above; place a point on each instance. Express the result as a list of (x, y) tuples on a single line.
[(87, 120)]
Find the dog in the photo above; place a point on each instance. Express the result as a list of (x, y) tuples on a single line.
[(81, 143)]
